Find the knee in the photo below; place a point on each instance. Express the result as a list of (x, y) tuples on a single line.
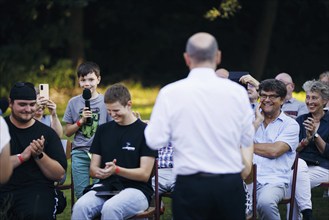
[(265, 203), (109, 211)]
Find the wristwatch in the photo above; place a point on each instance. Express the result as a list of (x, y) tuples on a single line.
[(316, 135), (38, 157)]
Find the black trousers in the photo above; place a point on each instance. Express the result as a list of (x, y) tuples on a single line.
[(28, 204), (208, 196)]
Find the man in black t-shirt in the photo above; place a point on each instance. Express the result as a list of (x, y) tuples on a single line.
[(121, 160), (38, 160)]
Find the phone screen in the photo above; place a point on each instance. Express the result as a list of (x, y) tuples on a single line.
[(44, 90)]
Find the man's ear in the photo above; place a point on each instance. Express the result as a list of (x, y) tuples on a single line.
[(187, 59), (99, 79), (10, 102), (129, 103), (218, 57)]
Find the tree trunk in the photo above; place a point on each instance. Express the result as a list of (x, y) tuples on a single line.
[(76, 39), (263, 38)]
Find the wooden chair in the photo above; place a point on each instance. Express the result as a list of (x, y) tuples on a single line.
[(153, 212), (67, 149), (166, 194), (325, 184), (291, 200)]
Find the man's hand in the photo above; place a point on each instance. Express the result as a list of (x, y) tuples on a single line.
[(37, 146)]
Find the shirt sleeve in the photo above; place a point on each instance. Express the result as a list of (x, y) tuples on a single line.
[(290, 134), (157, 132)]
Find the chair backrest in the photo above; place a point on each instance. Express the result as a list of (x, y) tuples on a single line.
[(291, 200), (254, 191), (152, 212), (67, 146)]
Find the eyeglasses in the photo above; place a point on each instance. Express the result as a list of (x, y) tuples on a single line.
[(22, 84), (271, 97)]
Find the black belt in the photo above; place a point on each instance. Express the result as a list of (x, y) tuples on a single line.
[(203, 174)]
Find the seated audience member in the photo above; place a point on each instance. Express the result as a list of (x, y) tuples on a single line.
[(275, 142), (6, 168), (121, 160), (291, 106), (223, 73), (252, 89), (51, 120), (324, 77), (313, 166), (165, 165), (37, 159)]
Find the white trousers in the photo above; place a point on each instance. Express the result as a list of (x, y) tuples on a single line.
[(308, 177)]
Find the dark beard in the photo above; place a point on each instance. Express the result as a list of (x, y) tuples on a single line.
[(21, 120)]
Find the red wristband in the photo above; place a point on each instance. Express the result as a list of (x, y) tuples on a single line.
[(117, 169), (302, 143), (20, 158), (78, 123)]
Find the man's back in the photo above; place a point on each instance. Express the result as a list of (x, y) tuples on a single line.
[(207, 116)]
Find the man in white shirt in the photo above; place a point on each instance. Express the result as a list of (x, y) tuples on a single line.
[(207, 119), (276, 140)]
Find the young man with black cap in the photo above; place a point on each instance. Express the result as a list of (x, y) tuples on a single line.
[(37, 159)]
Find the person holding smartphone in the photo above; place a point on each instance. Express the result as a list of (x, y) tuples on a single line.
[(51, 120)]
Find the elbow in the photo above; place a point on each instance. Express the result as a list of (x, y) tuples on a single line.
[(145, 178), (274, 155), (4, 177)]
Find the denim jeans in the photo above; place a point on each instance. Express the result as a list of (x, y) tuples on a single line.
[(126, 204), (80, 171)]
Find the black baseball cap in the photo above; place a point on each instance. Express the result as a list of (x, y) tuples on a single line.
[(23, 91)]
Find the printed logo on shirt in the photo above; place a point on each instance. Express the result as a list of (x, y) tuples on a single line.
[(89, 129), (128, 147)]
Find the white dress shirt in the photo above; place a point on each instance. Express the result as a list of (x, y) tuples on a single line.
[(277, 170), (207, 119)]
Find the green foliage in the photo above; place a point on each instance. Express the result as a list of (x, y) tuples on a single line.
[(61, 75), (226, 10)]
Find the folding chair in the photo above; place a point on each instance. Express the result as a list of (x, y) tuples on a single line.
[(152, 212), (67, 149), (166, 194), (291, 200)]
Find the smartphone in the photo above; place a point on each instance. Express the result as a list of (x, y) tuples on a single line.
[(44, 90), (236, 75)]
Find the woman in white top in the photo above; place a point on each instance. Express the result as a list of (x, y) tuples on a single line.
[(51, 120)]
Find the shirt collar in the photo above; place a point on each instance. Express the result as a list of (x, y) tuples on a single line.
[(201, 72)]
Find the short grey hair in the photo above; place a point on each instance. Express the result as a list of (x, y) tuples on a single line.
[(202, 53), (317, 86)]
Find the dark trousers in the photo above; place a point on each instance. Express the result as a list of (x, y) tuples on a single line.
[(29, 203), (207, 196)]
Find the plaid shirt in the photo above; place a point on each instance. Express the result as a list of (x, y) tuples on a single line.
[(166, 157)]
